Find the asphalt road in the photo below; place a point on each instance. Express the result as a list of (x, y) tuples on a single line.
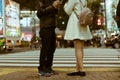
[(24, 49), (30, 73), (17, 49)]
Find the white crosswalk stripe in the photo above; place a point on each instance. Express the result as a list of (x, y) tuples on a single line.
[(91, 59)]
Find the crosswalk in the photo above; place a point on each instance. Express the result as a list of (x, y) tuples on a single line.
[(62, 58)]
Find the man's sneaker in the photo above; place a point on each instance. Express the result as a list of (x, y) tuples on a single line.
[(46, 74), (51, 71)]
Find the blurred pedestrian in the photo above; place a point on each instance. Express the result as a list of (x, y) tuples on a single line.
[(34, 41), (46, 12), (118, 9), (77, 33), (102, 39), (118, 14)]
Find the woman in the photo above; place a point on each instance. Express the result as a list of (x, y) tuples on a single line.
[(76, 32)]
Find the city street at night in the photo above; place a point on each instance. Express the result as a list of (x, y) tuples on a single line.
[(31, 27)]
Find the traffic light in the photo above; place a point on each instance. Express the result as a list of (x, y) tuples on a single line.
[(99, 22)]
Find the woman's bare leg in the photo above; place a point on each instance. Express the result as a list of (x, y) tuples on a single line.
[(79, 45)]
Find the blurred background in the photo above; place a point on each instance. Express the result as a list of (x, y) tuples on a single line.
[(19, 25)]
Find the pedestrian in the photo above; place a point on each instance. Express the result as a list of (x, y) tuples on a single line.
[(102, 39), (118, 14), (118, 9), (34, 41), (76, 33), (46, 12)]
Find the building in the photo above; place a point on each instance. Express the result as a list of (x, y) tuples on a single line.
[(29, 24)]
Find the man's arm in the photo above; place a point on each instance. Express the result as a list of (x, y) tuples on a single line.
[(53, 8)]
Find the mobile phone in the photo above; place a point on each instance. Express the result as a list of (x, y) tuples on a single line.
[(61, 1)]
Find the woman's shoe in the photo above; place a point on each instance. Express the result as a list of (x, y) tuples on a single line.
[(73, 73), (79, 73), (82, 73)]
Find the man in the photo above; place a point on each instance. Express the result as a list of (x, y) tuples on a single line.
[(47, 11)]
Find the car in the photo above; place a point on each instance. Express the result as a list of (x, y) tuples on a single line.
[(113, 41), (116, 43)]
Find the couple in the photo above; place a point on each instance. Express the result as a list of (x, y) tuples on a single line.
[(46, 12)]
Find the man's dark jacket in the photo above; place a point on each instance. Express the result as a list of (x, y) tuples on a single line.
[(46, 13)]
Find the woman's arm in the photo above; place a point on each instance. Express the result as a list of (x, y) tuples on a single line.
[(69, 6)]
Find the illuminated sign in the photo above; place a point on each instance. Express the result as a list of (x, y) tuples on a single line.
[(1, 8), (110, 12), (12, 19), (1, 17)]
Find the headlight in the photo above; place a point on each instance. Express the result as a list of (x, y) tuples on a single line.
[(3, 46), (12, 42), (105, 41)]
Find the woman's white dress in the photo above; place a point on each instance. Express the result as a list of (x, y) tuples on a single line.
[(74, 30)]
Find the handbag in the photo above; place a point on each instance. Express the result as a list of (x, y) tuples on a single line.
[(86, 15)]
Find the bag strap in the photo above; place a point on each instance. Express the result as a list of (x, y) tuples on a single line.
[(81, 7), (82, 4)]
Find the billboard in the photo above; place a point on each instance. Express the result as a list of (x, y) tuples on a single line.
[(1, 8), (1, 18), (110, 12), (12, 18)]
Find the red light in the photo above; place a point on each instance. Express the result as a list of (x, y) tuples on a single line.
[(99, 22)]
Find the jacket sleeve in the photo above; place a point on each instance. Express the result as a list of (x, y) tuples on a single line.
[(69, 6), (45, 10)]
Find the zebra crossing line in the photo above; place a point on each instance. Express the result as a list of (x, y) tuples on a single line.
[(31, 59)]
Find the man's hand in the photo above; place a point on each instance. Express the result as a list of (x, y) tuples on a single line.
[(56, 4)]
